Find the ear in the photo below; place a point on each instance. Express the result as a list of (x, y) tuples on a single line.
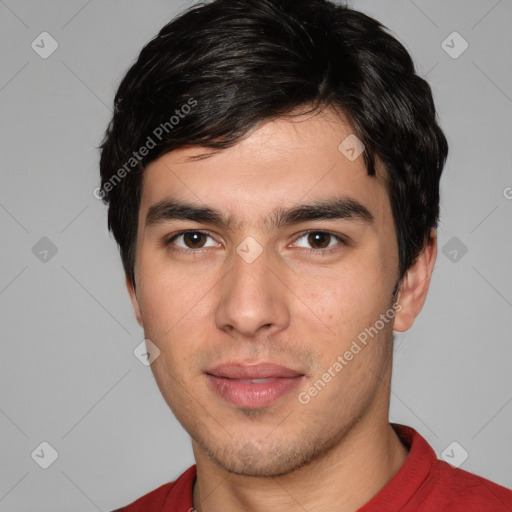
[(415, 284), (135, 302)]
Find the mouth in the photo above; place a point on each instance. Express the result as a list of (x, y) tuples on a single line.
[(253, 386)]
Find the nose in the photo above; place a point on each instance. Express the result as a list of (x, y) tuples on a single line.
[(253, 300)]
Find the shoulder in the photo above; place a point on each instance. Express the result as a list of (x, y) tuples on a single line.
[(171, 494), (425, 484), (466, 491)]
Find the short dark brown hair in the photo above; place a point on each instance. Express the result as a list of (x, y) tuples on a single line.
[(216, 71)]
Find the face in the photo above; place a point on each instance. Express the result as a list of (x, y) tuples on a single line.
[(284, 257)]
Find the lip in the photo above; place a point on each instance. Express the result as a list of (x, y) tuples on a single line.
[(235, 383)]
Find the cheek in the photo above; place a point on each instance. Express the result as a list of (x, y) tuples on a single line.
[(346, 300), (167, 296), (173, 322)]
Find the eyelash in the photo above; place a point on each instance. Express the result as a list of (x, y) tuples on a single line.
[(317, 252)]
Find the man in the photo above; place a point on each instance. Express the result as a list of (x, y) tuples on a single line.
[(272, 173)]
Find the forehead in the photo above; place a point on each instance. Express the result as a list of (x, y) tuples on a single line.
[(289, 160)]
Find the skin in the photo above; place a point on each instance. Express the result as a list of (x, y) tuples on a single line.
[(290, 306)]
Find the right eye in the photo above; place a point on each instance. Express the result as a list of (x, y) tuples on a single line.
[(190, 241)]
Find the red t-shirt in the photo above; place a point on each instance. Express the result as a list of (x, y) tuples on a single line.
[(422, 484)]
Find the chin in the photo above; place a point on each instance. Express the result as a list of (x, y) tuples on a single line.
[(265, 461)]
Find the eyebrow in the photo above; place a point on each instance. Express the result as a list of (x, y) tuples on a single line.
[(336, 208)]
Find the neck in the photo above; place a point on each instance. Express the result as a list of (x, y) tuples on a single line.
[(344, 479)]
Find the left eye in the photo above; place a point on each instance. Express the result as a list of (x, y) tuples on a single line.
[(322, 239)]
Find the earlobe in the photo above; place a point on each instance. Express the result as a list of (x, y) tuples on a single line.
[(135, 302), (415, 284)]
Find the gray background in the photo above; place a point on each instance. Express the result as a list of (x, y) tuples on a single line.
[(68, 375)]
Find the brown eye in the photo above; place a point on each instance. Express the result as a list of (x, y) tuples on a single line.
[(320, 242), (194, 240), (191, 240), (319, 239)]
